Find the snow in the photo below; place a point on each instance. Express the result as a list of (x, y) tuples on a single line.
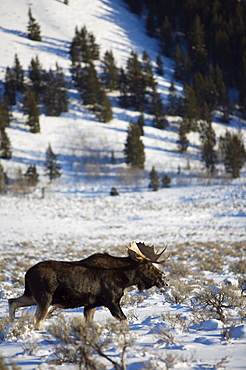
[(77, 216)]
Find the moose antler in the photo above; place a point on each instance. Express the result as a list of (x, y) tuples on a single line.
[(142, 251)]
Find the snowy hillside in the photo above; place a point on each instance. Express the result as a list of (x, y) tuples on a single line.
[(201, 219)]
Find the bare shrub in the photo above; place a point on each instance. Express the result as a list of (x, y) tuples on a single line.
[(20, 327), (4, 322), (178, 269), (238, 267), (3, 365), (84, 343), (216, 300), (175, 321), (179, 292)]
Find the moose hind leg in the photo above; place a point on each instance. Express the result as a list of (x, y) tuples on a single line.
[(42, 311), (89, 313), (15, 303)]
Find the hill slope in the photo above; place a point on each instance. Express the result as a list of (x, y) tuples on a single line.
[(202, 220)]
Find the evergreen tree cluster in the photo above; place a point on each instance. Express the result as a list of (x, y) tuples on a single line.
[(84, 51), (47, 89), (198, 34), (136, 83), (156, 182), (138, 88)]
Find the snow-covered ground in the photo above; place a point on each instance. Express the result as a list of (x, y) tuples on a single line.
[(203, 221)]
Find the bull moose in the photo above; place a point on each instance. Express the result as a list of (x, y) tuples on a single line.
[(98, 280)]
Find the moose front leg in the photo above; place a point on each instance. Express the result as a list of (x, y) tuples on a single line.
[(117, 312)]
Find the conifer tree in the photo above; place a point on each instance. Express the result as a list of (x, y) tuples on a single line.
[(182, 141), (110, 78), (33, 28), (136, 82), (223, 100), (192, 111), (4, 115), (53, 169), (31, 109), (19, 74), (54, 92), (147, 70), (134, 147), (197, 46), (91, 85), (84, 47), (3, 180), (140, 123), (5, 145), (103, 107), (123, 85), (150, 23), (10, 87), (166, 181), (233, 152), (166, 37), (159, 63), (158, 111), (208, 141), (179, 64), (154, 180), (172, 100), (35, 74), (31, 176)]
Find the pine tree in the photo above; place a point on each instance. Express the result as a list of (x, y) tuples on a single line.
[(158, 111), (154, 180), (197, 46), (136, 82), (166, 37), (208, 141), (91, 85), (179, 64), (150, 23), (134, 147), (4, 115), (10, 87), (222, 96), (192, 111), (31, 109), (3, 180), (35, 75), (172, 100), (5, 145), (159, 63), (123, 85), (53, 169), (110, 78), (182, 141), (31, 176), (54, 92), (33, 28), (103, 107), (84, 47), (233, 152), (19, 74), (166, 181), (140, 123), (150, 82)]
